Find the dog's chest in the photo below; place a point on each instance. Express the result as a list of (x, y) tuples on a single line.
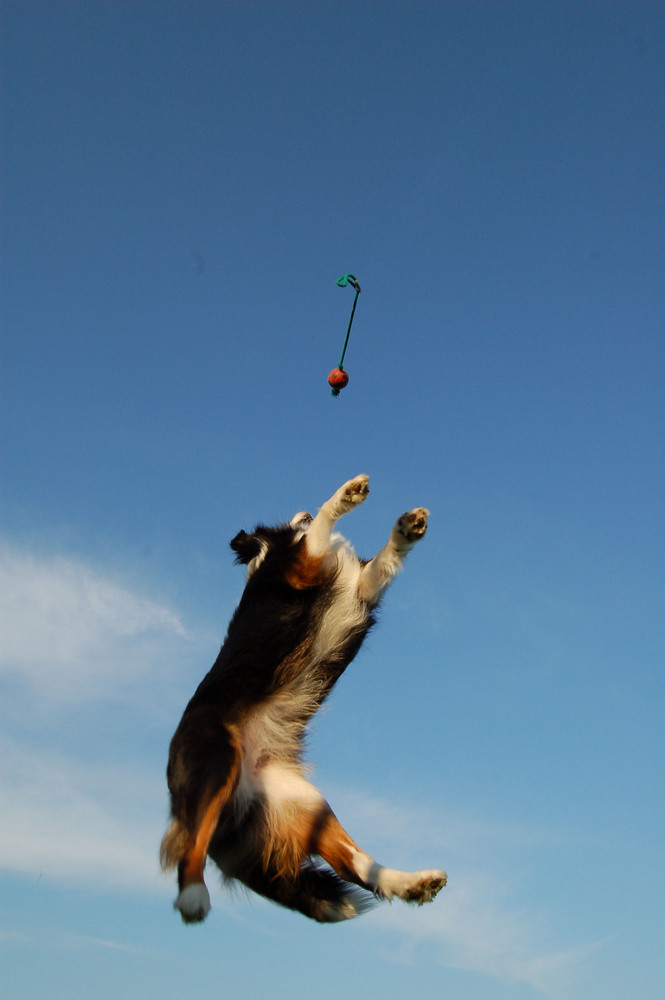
[(344, 613)]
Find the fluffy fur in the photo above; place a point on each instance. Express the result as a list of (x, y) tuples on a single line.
[(238, 788)]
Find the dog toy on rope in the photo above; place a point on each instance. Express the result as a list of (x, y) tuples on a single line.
[(339, 377)]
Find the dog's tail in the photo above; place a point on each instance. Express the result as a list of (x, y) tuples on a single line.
[(316, 892), (173, 846)]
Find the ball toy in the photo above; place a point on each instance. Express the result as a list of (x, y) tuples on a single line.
[(337, 379)]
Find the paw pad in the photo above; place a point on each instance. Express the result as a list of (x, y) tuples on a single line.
[(413, 524), (426, 888), (356, 490)]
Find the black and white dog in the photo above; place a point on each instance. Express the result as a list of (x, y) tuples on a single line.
[(238, 788)]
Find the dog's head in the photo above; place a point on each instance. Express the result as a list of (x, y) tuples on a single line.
[(248, 547), (252, 549)]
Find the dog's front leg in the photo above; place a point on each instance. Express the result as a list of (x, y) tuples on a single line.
[(354, 492), (386, 564)]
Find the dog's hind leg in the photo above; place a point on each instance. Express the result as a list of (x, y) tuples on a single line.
[(352, 493), (332, 843), (386, 564), (195, 821), (316, 892), (298, 827)]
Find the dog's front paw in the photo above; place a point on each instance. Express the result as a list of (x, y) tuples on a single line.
[(354, 492), (412, 525)]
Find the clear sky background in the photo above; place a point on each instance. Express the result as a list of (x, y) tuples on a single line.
[(182, 184)]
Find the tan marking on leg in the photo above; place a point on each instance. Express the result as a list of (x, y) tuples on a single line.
[(332, 843), (193, 862)]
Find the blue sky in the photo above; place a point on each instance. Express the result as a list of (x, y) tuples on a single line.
[(182, 184)]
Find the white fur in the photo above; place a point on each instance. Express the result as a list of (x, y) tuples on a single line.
[(286, 784), (347, 610), (193, 903), (354, 492), (418, 887), (254, 563)]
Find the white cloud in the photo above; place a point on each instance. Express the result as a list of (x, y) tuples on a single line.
[(478, 924), (485, 920), (70, 632), (418, 828), (80, 823), (73, 638)]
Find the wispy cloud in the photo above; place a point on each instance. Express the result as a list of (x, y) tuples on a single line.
[(69, 940), (70, 632), (85, 941), (485, 920), (75, 822), (480, 925), (426, 827), (79, 802)]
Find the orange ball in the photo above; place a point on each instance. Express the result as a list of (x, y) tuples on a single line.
[(337, 379)]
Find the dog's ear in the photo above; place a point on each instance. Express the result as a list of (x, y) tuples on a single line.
[(246, 547)]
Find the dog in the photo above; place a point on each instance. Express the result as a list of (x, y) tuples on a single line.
[(238, 786)]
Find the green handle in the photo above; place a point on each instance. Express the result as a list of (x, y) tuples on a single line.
[(348, 279)]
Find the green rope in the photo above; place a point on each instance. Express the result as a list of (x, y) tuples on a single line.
[(347, 279)]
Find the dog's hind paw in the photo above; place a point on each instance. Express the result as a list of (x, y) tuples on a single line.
[(193, 903), (425, 888)]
